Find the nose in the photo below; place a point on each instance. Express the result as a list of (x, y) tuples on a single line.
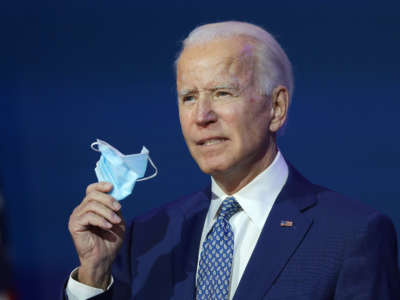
[(205, 115)]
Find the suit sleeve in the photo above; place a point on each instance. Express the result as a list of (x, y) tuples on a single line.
[(370, 267)]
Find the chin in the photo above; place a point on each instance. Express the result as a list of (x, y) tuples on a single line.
[(213, 162), (212, 168)]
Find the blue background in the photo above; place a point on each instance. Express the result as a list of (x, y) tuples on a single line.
[(75, 71)]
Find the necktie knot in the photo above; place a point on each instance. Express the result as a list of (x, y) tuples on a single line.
[(228, 208)]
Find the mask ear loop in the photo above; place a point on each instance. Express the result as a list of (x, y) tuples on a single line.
[(92, 145), (151, 176)]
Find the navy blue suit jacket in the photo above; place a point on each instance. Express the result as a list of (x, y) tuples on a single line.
[(336, 249)]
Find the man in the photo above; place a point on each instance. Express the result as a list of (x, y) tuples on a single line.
[(261, 231)]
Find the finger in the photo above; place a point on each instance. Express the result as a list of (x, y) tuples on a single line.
[(113, 234), (119, 213), (102, 186), (103, 198), (93, 219), (101, 210), (118, 230)]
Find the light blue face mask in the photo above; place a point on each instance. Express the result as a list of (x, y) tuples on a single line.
[(121, 170)]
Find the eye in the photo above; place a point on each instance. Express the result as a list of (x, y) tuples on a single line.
[(188, 98), (222, 94)]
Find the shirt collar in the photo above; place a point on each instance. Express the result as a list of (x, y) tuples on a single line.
[(259, 195)]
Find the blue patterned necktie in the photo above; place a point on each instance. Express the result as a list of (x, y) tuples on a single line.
[(215, 265)]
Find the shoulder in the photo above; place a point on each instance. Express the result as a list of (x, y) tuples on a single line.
[(334, 212), (351, 221), (354, 242), (338, 208), (180, 207), (326, 202), (337, 204)]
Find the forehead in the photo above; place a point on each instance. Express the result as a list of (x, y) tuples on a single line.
[(220, 61)]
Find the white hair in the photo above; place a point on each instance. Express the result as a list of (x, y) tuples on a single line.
[(273, 67)]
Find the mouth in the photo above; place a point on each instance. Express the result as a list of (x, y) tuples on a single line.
[(211, 141)]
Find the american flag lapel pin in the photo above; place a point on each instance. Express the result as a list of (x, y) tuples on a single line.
[(286, 223)]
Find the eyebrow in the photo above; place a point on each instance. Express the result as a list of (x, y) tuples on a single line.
[(218, 87), (227, 86), (186, 92)]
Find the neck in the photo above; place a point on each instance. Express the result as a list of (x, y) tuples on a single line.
[(234, 180)]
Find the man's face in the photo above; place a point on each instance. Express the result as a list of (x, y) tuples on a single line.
[(223, 116)]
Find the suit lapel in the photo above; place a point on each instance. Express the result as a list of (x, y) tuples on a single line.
[(277, 243), (186, 255)]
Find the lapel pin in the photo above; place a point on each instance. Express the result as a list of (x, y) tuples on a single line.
[(286, 223)]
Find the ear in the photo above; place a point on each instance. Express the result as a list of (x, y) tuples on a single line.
[(279, 107)]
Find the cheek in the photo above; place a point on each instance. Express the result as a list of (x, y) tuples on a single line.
[(229, 113), (252, 123), (183, 117), (235, 120), (184, 129), (186, 126)]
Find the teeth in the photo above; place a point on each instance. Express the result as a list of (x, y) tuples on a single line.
[(213, 141)]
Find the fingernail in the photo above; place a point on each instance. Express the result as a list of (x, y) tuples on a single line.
[(107, 184), (116, 218), (116, 205)]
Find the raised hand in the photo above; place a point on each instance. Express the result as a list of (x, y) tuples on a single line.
[(97, 229)]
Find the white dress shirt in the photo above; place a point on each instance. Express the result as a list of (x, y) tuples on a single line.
[(256, 200), (79, 291)]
